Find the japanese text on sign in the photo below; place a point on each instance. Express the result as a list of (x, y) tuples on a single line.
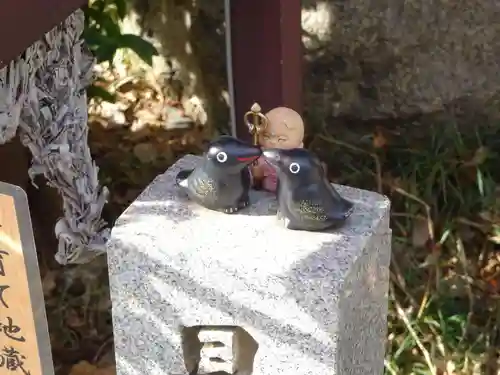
[(19, 280), (10, 358)]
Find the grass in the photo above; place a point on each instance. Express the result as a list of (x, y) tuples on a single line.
[(444, 300)]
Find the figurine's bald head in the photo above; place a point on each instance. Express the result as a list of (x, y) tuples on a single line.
[(285, 129)]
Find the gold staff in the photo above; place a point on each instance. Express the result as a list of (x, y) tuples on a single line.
[(256, 122)]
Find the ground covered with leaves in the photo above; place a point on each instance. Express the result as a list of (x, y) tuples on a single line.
[(443, 184), (443, 181)]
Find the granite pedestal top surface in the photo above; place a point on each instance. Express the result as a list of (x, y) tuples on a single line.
[(175, 264)]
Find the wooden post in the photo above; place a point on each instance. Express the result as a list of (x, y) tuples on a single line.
[(266, 56), (22, 22)]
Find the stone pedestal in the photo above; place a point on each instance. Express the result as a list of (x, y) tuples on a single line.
[(197, 291)]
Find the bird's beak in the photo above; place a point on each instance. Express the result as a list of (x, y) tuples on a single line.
[(249, 154), (272, 155)]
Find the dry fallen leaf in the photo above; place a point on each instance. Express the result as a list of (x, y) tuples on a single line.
[(479, 157), (431, 260), (493, 285), (145, 152), (495, 239), (49, 283), (83, 368), (445, 367), (110, 370), (107, 360), (379, 140), (420, 233), (104, 304), (454, 285), (73, 319)]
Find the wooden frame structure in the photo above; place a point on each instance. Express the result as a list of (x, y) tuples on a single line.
[(264, 56), (22, 22)]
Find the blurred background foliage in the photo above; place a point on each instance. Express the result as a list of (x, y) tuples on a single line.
[(104, 38)]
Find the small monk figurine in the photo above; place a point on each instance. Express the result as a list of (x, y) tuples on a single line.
[(285, 130)]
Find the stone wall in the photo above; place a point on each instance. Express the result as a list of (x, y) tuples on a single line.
[(365, 59), (397, 58)]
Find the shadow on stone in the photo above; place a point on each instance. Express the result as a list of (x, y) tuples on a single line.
[(360, 301), (304, 297)]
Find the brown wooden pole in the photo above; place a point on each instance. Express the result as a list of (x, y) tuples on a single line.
[(22, 22), (266, 56)]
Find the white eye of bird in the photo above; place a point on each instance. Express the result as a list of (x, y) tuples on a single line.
[(294, 168), (221, 157)]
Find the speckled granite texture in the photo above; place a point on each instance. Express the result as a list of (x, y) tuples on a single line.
[(315, 303)]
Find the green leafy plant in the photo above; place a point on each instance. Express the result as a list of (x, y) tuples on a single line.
[(103, 36)]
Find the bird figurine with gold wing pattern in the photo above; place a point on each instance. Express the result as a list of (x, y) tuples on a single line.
[(306, 199), (222, 181)]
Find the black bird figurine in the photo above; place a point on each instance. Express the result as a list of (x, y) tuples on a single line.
[(306, 199), (222, 181)]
